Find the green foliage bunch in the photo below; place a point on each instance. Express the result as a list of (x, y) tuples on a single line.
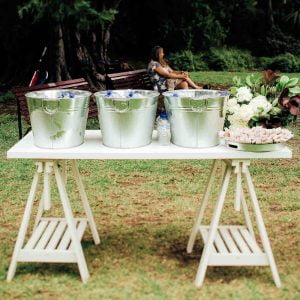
[(83, 12), (186, 60), (284, 62), (229, 59)]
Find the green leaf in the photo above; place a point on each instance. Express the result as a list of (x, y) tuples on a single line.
[(248, 81), (284, 80), (294, 90), (260, 110), (236, 81), (275, 111), (257, 81), (279, 87), (292, 82), (233, 90), (263, 90), (275, 102)]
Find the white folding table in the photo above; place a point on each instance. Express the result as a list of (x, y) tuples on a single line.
[(59, 239)]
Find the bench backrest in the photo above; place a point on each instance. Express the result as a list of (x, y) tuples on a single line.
[(138, 79), (20, 92)]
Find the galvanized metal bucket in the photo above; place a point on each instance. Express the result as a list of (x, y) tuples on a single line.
[(58, 117), (196, 116), (126, 117)]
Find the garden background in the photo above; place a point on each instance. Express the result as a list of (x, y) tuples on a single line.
[(83, 35)]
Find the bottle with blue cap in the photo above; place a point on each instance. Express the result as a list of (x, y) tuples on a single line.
[(163, 130)]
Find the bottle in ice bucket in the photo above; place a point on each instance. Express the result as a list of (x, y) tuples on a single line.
[(163, 130)]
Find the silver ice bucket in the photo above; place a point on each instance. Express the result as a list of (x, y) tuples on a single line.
[(58, 117), (196, 116), (126, 117)]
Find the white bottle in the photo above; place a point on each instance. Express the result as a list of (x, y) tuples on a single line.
[(163, 130)]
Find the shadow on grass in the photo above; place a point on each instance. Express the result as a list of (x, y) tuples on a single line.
[(137, 245)]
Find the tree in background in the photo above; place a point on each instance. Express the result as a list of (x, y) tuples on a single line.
[(85, 34), (79, 34), (175, 24)]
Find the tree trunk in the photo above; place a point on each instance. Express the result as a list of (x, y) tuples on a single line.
[(105, 39), (87, 65), (270, 14), (97, 55), (61, 69), (105, 30)]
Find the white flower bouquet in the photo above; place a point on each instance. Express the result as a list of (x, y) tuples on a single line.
[(270, 101)]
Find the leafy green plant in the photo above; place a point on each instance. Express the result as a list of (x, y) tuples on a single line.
[(229, 59), (188, 61), (284, 62)]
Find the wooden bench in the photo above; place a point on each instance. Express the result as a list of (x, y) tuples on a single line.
[(137, 79), (20, 92)]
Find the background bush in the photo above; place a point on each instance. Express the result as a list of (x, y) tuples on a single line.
[(285, 63), (229, 59), (186, 60), (263, 63), (232, 59)]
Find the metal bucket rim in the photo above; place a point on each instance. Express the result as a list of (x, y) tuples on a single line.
[(219, 93), (150, 93), (32, 94)]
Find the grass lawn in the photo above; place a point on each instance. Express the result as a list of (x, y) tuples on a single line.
[(225, 78), (144, 212)]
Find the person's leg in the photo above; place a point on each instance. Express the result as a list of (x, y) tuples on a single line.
[(192, 84), (186, 83), (182, 85)]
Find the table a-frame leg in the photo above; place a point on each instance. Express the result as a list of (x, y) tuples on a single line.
[(232, 245), (213, 229), (200, 214), (54, 239), (25, 222), (85, 202)]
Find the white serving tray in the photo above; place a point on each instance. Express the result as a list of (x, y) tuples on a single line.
[(254, 147)]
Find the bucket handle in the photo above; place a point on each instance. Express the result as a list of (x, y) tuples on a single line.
[(47, 110), (198, 106), (123, 106)]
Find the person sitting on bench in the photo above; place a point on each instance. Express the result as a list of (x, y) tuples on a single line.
[(162, 75)]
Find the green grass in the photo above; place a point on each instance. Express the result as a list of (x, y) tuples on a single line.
[(144, 211), (225, 78)]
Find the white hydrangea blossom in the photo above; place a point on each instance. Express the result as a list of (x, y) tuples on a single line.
[(244, 94), (241, 115), (232, 105), (245, 112), (237, 122), (260, 105)]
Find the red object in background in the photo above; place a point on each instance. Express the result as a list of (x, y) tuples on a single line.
[(34, 79), (35, 76)]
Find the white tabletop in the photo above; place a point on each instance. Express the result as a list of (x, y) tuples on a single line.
[(93, 148)]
